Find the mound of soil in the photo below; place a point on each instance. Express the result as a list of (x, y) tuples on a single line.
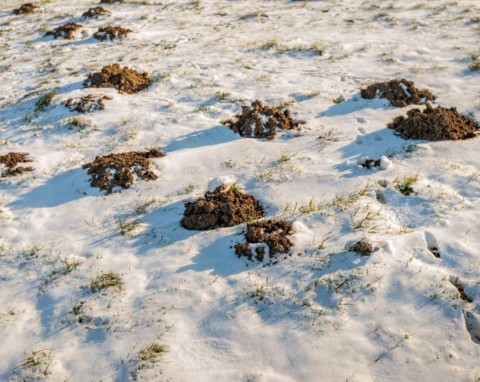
[(259, 121), (111, 32), (118, 170), (362, 248), (11, 160), (224, 207), (272, 233), (125, 80), (87, 104), (434, 124), (93, 13), (25, 8), (400, 93), (67, 31)]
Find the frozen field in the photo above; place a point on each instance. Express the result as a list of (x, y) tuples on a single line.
[(110, 287)]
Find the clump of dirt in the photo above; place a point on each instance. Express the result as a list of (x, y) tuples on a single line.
[(260, 121), (67, 31), (111, 32), (362, 247), (125, 80), (370, 163), (272, 233), (117, 170), (25, 8), (87, 104), (400, 93), (111, 1), (93, 13), (11, 160), (224, 207), (434, 124)]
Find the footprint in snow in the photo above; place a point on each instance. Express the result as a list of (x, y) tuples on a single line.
[(455, 281), (359, 140), (472, 322), (432, 244), (362, 130)]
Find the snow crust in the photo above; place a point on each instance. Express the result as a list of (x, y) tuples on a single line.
[(321, 313)]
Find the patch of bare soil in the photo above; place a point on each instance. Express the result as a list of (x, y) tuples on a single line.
[(11, 160), (111, 1), (111, 32), (67, 31), (118, 170), (25, 8), (272, 233), (362, 247), (125, 80), (400, 93), (370, 163), (93, 13), (260, 121), (434, 124), (87, 104), (224, 207)]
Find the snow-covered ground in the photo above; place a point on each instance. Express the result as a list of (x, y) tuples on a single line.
[(188, 309)]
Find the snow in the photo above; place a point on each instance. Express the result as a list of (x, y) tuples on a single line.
[(320, 313), (385, 163)]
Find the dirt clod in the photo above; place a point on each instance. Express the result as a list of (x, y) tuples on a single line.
[(272, 233), (93, 13), (87, 104), (11, 160), (67, 31), (260, 121), (125, 80), (434, 124), (362, 247), (370, 163), (224, 207), (111, 32), (118, 170), (25, 8), (400, 93)]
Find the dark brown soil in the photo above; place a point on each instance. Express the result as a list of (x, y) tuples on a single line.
[(118, 170), (434, 124), (362, 247), (11, 160), (67, 31), (93, 13), (111, 1), (125, 80), (400, 93), (370, 163), (25, 8), (224, 207), (434, 251), (270, 232), (259, 121), (111, 32), (87, 104)]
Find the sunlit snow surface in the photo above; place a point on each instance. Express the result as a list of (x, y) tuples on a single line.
[(322, 314)]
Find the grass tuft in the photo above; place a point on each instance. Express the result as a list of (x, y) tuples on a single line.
[(105, 281), (44, 102)]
